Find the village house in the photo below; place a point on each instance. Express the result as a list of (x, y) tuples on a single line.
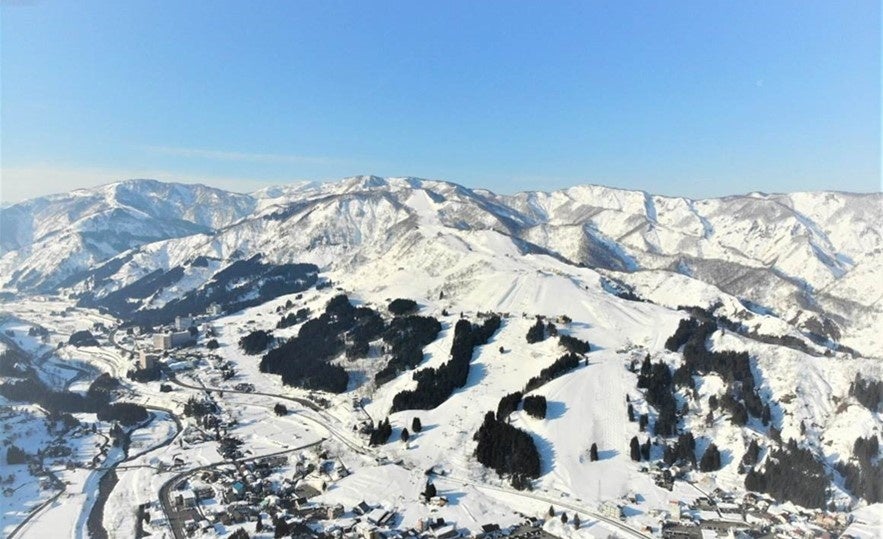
[(611, 510), (448, 531), (335, 511)]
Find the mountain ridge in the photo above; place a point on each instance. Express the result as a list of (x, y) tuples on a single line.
[(810, 257)]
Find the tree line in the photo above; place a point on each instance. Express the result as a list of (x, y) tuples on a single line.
[(791, 473), (864, 477), (435, 385), (304, 360), (96, 400), (559, 367), (404, 339), (255, 342), (506, 449)]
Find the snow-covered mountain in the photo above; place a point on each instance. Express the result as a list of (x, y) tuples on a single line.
[(783, 285), (48, 239), (811, 260)]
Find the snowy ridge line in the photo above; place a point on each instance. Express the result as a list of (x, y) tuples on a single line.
[(812, 258)]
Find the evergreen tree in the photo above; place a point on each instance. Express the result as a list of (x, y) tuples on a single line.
[(520, 482), (537, 332), (711, 459), (752, 454), (767, 415), (562, 365), (685, 448), (416, 426), (405, 435), (381, 434), (430, 490), (535, 406), (15, 455), (576, 521), (564, 518), (255, 342), (869, 393), (507, 405), (401, 306), (506, 449), (668, 455), (572, 344), (793, 474), (685, 330), (435, 385), (551, 511), (635, 449), (593, 452)]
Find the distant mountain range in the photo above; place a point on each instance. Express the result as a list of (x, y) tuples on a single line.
[(812, 261)]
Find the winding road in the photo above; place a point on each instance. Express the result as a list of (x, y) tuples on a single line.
[(325, 422), (96, 514), (165, 490), (617, 524)]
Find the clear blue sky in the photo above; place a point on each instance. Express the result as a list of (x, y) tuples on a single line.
[(700, 98)]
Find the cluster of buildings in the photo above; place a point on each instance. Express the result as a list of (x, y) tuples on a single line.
[(276, 490), (179, 336), (722, 514), (183, 333), (279, 491)]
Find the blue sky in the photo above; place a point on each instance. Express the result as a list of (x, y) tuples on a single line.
[(686, 98)]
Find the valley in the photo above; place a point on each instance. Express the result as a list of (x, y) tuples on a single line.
[(285, 431)]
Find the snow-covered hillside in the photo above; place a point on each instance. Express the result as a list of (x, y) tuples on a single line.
[(811, 260), (46, 240), (786, 281)]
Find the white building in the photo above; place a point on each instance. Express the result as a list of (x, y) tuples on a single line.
[(147, 361), (188, 498), (183, 323), (167, 341), (377, 516), (674, 508), (447, 531), (162, 341), (611, 510)]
